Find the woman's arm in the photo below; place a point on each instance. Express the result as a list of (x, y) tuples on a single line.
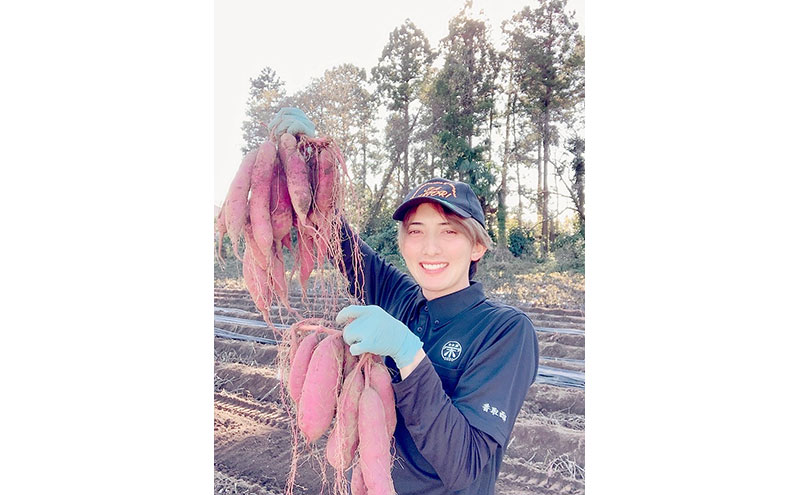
[(373, 278), (458, 436)]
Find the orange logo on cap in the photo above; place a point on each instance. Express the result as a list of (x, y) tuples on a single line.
[(433, 190)]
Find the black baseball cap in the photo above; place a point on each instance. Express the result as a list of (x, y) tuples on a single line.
[(453, 195)]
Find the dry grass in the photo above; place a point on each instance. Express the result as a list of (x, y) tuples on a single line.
[(566, 467), (231, 356), (519, 280), (219, 384), (571, 421), (228, 485)]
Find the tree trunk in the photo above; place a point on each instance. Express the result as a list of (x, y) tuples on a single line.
[(491, 119), (406, 140), (579, 183), (376, 204), (519, 196), (364, 165), (502, 237), (519, 177), (539, 182), (545, 192)]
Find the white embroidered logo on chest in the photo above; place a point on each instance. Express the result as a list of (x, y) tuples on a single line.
[(451, 351)]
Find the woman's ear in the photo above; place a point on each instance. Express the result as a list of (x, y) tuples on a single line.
[(478, 250)]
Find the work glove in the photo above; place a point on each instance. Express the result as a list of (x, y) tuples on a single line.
[(376, 331), (293, 121)]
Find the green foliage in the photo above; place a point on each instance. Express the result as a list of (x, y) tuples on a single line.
[(548, 58), (570, 251), (231, 267), (266, 98), (521, 240), (401, 69), (464, 90), (341, 106), (382, 237)]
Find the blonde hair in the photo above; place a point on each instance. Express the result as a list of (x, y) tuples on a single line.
[(470, 227)]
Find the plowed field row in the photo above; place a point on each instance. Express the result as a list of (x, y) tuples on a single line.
[(543, 317), (253, 438)]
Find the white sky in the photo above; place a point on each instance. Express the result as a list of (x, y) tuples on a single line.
[(300, 44)]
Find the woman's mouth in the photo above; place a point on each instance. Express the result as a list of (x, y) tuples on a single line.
[(433, 267)]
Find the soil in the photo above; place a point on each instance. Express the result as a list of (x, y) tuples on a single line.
[(252, 429)]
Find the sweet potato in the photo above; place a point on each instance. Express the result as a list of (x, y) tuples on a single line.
[(255, 279), (320, 388), (357, 486), (343, 441), (373, 444), (279, 275), (297, 178), (305, 247), (326, 182), (299, 365), (219, 226), (325, 179), (236, 201), (381, 381), (259, 205), (350, 361), (280, 206), (259, 257)]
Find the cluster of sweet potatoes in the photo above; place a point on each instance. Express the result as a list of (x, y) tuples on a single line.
[(285, 183), (329, 386)]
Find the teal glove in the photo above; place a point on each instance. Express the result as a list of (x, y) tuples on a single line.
[(293, 121), (376, 331)]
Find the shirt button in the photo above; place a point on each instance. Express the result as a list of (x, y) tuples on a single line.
[(436, 322), (426, 308), (419, 329)]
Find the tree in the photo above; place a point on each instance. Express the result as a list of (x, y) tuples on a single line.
[(547, 54), (401, 69), (466, 84), (266, 98), (575, 186), (341, 106), (462, 102)]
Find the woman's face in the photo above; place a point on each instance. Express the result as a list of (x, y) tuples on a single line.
[(437, 255)]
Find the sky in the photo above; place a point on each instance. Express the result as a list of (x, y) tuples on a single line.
[(301, 45)]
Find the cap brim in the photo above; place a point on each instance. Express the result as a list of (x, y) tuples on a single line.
[(401, 210)]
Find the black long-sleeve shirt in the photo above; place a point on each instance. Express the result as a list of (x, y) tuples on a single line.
[(457, 408)]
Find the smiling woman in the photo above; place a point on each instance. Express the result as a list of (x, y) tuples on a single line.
[(439, 248), (461, 364)]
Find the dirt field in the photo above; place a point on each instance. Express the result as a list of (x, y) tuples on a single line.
[(252, 438)]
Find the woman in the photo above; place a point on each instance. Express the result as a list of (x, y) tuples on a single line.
[(461, 364), (464, 364)]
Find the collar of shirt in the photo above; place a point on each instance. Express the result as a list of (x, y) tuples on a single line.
[(445, 308)]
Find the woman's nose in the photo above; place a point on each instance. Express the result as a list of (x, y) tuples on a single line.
[(431, 245)]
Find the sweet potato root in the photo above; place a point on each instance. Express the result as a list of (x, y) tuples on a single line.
[(299, 365), (317, 403), (357, 486), (297, 178), (236, 201), (373, 444), (381, 381), (259, 205), (343, 441)]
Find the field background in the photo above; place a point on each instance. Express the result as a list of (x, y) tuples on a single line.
[(252, 435)]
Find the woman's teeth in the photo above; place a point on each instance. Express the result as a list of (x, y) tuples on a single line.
[(436, 266)]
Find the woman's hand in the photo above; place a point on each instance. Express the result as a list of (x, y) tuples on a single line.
[(293, 121), (376, 331)]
